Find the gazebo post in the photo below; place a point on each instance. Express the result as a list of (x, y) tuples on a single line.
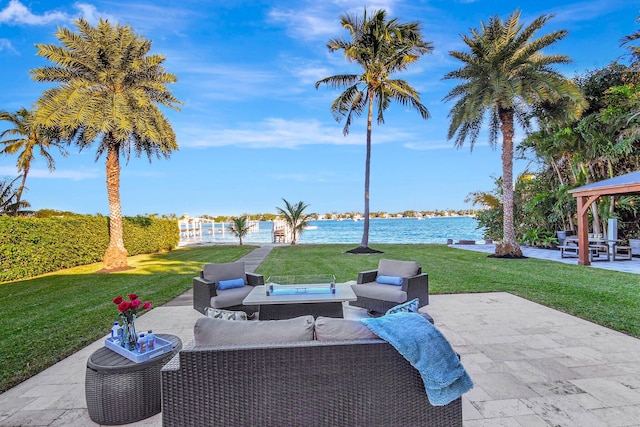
[(583, 231), (588, 194)]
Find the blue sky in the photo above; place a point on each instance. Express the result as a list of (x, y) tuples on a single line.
[(253, 129)]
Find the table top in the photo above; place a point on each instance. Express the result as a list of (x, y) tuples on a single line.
[(258, 296), (105, 359)]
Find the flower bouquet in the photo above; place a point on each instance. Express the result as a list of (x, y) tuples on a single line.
[(128, 310)]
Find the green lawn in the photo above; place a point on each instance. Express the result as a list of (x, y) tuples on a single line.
[(609, 298), (50, 317)]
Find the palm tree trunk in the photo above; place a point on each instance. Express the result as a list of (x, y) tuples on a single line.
[(367, 173), (116, 255), (509, 235), (25, 172)]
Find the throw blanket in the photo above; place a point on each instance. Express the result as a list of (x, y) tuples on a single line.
[(424, 346)]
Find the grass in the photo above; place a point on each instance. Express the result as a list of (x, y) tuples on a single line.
[(50, 317), (609, 298), (47, 318)]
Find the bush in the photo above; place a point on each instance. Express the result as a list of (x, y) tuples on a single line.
[(34, 246)]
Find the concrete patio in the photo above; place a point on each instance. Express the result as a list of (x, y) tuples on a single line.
[(531, 365)]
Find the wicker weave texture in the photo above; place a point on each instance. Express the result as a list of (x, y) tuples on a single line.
[(203, 291), (346, 383), (415, 287), (119, 391)]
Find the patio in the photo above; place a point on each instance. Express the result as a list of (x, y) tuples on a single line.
[(531, 365)]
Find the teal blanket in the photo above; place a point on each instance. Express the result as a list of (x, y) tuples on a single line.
[(424, 346)]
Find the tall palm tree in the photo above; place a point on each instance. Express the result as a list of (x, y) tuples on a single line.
[(239, 227), (23, 139), (9, 203), (295, 217), (110, 90), (381, 47), (504, 75), (635, 49)]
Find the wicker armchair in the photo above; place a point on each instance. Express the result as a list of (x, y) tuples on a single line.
[(378, 297), (206, 292)]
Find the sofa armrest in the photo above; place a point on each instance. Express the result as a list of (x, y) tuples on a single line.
[(255, 279), (417, 287), (367, 276), (203, 291)]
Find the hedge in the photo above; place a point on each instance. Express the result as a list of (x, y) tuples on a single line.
[(34, 246)]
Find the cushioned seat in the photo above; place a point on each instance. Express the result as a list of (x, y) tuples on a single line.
[(392, 283), (224, 286), (378, 291)]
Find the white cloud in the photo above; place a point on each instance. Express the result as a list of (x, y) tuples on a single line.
[(291, 134), (16, 13), (5, 44), (274, 133), (322, 19), (90, 13), (74, 175)]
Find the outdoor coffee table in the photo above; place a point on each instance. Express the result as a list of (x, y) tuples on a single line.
[(299, 296), (120, 391)]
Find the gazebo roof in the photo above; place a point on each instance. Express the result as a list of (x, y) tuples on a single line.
[(623, 184)]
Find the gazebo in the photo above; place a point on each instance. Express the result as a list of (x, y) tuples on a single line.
[(587, 194)]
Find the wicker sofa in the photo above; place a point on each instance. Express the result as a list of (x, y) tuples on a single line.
[(353, 382)]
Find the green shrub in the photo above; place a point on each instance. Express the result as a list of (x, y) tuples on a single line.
[(34, 246)]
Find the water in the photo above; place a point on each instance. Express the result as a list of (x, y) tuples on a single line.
[(397, 230)]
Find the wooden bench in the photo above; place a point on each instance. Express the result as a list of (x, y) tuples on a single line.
[(572, 251), (598, 249), (621, 252), (567, 251)]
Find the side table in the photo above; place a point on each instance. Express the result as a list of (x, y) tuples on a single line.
[(120, 391)]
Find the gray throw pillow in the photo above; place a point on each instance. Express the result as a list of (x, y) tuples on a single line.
[(209, 331), (329, 328)]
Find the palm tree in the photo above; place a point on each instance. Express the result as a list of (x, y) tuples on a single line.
[(381, 48), (110, 90), (504, 75), (239, 227), (634, 49), (23, 139), (295, 218), (9, 203)]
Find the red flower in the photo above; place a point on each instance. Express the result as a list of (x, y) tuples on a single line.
[(124, 306), (130, 309)]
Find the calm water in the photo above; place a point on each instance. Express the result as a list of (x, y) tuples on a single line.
[(401, 230)]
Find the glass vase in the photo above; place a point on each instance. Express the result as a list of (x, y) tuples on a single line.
[(129, 335)]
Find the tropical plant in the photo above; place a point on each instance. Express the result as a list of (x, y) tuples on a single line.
[(381, 47), (504, 75), (295, 217), (23, 139), (634, 49), (239, 227), (9, 203), (110, 90)]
